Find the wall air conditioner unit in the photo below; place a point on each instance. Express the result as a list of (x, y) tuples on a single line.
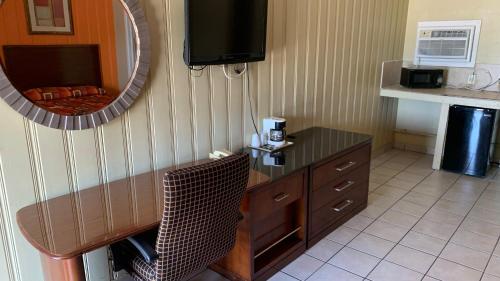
[(447, 43)]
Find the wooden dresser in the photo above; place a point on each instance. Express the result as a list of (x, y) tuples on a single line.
[(316, 185)]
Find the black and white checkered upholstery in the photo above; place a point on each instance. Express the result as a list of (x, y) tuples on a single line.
[(201, 215)]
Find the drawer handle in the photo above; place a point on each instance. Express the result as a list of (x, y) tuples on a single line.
[(280, 197), (346, 186), (347, 166), (344, 206)]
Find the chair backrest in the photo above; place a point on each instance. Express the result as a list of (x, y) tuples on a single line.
[(201, 216)]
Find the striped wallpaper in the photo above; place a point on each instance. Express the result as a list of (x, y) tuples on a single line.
[(322, 69)]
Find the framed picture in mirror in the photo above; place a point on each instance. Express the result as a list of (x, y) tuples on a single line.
[(49, 16)]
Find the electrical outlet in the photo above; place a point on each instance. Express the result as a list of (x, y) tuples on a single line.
[(471, 81)]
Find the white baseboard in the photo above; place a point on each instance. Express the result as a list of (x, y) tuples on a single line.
[(381, 150), (416, 142), (424, 143)]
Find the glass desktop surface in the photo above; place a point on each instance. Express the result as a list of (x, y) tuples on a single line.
[(311, 146)]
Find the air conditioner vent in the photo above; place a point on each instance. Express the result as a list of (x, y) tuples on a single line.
[(450, 43), (451, 33)]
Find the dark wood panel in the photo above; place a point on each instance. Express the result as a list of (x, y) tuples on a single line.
[(278, 195), (35, 66), (314, 239), (238, 264), (275, 255), (271, 269), (275, 231), (275, 267), (330, 171), (340, 187), (274, 226), (335, 210)]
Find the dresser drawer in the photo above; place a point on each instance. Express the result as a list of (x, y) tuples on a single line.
[(335, 210), (278, 195), (338, 188), (330, 171)]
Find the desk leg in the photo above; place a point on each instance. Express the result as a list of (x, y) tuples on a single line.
[(441, 136), (68, 270)]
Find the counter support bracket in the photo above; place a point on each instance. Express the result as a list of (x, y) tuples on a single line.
[(441, 136)]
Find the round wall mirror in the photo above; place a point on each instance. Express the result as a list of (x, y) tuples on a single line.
[(75, 64)]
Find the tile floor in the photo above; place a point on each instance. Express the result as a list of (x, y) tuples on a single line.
[(419, 225)]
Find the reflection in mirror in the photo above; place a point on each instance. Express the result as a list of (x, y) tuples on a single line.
[(71, 74)]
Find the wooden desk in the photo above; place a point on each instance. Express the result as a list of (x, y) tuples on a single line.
[(294, 199), (66, 227), (316, 185)]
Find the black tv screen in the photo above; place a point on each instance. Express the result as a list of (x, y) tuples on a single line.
[(225, 31)]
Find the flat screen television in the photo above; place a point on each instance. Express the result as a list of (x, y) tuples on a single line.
[(225, 31)]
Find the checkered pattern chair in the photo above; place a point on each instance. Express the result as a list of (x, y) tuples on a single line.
[(200, 218)]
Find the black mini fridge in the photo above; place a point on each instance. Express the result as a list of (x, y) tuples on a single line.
[(468, 140)]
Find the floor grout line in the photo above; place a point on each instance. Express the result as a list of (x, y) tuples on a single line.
[(458, 227), (343, 246), (451, 237), (289, 275), (409, 165), (388, 207), (491, 255), (451, 185), (422, 217), (326, 263)]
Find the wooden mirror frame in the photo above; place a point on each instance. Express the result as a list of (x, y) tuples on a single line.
[(123, 102)]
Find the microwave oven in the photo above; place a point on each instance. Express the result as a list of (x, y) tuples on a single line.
[(425, 78)]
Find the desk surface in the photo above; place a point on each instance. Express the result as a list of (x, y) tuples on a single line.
[(73, 224), (67, 226), (310, 146), (445, 95)]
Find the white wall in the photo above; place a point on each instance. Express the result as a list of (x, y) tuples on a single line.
[(322, 68), (488, 11), (423, 117), (418, 117)]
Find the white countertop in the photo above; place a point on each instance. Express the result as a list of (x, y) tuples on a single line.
[(445, 95)]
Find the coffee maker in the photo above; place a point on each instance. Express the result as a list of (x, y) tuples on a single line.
[(274, 132)]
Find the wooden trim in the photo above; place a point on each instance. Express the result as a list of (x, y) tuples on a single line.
[(124, 101)]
